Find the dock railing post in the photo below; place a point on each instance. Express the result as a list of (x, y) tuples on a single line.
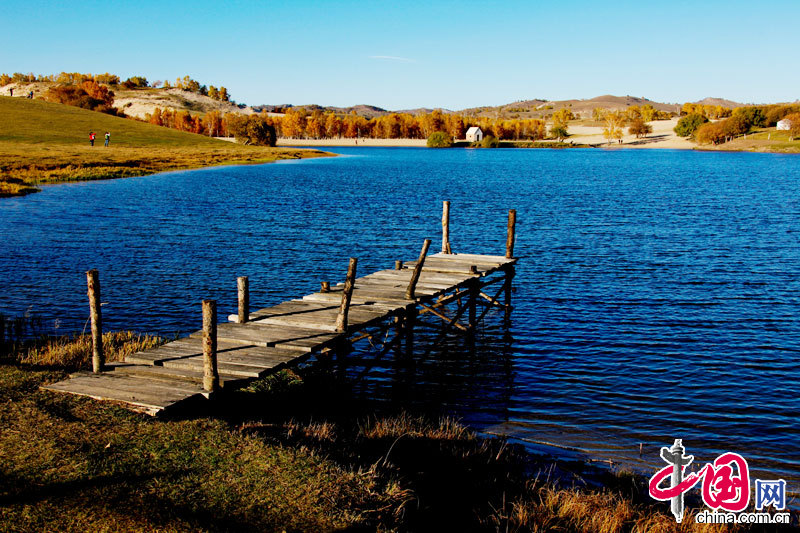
[(472, 301), (210, 371), (347, 293), (398, 265), (446, 228), (243, 285), (412, 285), (512, 228), (96, 315)]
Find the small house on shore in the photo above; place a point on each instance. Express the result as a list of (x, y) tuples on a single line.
[(474, 134), (784, 124)]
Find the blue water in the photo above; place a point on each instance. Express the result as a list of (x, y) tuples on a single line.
[(657, 294)]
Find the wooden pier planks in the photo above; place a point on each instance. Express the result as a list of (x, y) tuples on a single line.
[(158, 379)]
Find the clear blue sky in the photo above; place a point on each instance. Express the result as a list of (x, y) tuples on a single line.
[(410, 54)]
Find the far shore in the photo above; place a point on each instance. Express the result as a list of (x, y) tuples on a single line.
[(662, 136)]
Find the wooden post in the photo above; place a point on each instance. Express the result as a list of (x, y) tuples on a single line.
[(243, 284), (325, 286), (412, 285), (512, 228), (446, 227), (398, 265), (93, 283), (347, 293), (472, 302), (210, 372)]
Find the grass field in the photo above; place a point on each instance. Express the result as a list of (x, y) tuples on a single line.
[(267, 460), (42, 142), (762, 140)]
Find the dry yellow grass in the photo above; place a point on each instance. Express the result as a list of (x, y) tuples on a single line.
[(76, 352)]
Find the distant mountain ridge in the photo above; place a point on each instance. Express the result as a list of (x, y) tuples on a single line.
[(521, 109)]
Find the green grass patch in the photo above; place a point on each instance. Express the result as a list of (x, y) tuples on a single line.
[(75, 464), (43, 142)]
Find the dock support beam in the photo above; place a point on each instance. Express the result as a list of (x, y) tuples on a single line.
[(243, 284), (93, 283), (446, 228), (210, 371), (412, 285), (512, 228), (347, 293)]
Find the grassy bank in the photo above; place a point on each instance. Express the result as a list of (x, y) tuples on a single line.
[(42, 142), (266, 463), (763, 140)]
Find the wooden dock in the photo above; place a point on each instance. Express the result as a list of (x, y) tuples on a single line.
[(456, 289)]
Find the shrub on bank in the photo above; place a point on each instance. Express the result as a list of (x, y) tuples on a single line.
[(440, 139), (490, 142)]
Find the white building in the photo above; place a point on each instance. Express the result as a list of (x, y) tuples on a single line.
[(474, 134), (785, 124)]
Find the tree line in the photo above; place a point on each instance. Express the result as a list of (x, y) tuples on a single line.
[(739, 121), (298, 123)]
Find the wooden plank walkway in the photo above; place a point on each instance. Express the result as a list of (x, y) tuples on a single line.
[(162, 378)]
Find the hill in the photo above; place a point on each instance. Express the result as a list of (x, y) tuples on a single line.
[(140, 102), (720, 102), (42, 142)]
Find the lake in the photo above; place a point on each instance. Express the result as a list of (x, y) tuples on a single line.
[(657, 293)]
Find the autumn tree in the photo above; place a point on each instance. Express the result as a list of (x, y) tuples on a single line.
[(559, 131), (794, 124), (639, 128), (223, 95), (212, 92), (687, 125), (613, 130), (563, 116)]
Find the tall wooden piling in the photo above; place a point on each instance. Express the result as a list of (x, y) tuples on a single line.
[(243, 285), (210, 371), (347, 293), (398, 265), (412, 285), (512, 228), (325, 286), (446, 228), (96, 315)]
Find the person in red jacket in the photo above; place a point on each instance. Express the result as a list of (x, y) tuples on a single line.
[(91, 138)]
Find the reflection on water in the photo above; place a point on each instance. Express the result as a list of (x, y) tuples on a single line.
[(657, 292)]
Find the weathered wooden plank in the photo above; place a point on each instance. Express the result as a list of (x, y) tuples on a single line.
[(170, 375), (196, 364), (476, 257), (151, 394)]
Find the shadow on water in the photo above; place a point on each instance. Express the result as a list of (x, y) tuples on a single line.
[(471, 380)]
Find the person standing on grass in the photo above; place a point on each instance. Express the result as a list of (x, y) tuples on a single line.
[(11, 91), (108, 138), (91, 138)]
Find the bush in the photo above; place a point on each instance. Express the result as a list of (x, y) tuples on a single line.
[(711, 133), (440, 139), (688, 124), (252, 130), (559, 131), (639, 128), (490, 142)]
